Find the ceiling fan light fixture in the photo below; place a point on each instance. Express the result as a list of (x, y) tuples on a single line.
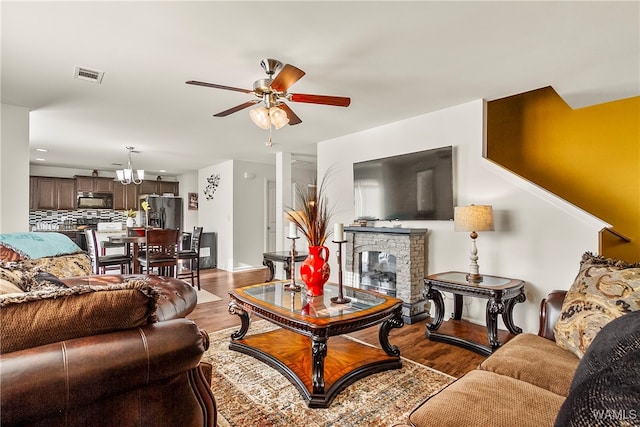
[(260, 116), (278, 117)]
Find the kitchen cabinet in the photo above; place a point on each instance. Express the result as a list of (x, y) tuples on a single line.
[(159, 187), (94, 184), (53, 193), (125, 197)]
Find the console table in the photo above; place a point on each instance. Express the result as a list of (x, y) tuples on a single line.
[(502, 294), (268, 258)]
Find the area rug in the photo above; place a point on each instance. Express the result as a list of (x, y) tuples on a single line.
[(204, 296), (250, 393)]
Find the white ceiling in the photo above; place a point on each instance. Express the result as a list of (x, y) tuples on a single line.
[(394, 59)]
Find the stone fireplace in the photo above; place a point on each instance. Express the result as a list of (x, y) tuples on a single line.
[(389, 261)]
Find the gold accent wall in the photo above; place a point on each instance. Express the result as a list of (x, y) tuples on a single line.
[(588, 156)]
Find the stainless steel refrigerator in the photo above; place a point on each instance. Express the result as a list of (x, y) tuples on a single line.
[(164, 211)]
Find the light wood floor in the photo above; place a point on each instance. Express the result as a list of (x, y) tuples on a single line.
[(411, 339)]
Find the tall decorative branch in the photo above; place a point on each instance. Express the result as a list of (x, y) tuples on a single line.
[(314, 213)]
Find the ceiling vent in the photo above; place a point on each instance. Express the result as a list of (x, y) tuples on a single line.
[(88, 75)]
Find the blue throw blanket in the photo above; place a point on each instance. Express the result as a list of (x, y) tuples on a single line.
[(39, 245)]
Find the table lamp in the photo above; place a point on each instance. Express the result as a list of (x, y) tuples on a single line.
[(473, 218)]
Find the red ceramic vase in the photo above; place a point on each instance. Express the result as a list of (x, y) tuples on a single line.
[(315, 270)]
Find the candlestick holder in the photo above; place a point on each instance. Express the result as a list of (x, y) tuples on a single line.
[(340, 299), (292, 285)]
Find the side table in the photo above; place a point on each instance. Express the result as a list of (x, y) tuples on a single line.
[(502, 294), (268, 258)]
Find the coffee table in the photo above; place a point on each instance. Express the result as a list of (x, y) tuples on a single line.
[(301, 350)]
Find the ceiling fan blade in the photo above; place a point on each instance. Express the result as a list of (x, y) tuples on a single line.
[(337, 101), (285, 78), (237, 108), (215, 86), (293, 118)]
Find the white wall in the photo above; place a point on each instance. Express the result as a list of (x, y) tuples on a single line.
[(537, 238), (216, 215), (248, 213), (14, 169)]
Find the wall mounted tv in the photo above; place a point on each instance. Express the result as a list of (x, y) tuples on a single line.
[(414, 186)]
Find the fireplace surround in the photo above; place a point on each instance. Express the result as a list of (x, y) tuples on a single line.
[(389, 254)]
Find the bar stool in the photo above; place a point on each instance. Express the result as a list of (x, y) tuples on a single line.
[(193, 255)]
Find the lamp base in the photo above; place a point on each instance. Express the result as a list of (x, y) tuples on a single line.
[(474, 278)]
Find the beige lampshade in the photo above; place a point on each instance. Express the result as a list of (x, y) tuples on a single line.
[(473, 218)]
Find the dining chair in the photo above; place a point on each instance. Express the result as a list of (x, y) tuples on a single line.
[(101, 263), (160, 252), (193, 256)]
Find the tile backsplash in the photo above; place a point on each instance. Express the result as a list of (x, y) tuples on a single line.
[(60, 220)]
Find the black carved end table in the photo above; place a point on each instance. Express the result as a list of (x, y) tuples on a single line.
[(502, 294), (268, 258)]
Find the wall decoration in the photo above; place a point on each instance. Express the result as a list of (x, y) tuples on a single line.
[(212, 186), (193, 202)]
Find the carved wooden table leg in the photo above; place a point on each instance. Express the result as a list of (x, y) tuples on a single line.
[(507, 316), (457, 307), (383, 334), (235, 308), (494, 307), (438, 305), (272, 268), (319, 352)]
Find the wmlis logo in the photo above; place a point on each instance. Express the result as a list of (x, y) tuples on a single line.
[(610, 414)]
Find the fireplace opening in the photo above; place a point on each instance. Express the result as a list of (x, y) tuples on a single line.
[(378, 272)]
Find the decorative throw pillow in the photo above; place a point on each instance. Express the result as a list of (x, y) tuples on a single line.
[(605, 390), (15, 273), (603, 290), (38, 318), (62, 266)]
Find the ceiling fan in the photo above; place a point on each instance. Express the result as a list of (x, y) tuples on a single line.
[(273, 92)]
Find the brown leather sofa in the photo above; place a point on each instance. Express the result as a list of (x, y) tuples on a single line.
[(149, 375)]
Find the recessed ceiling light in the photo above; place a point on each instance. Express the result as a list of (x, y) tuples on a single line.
[(42, 150), (163, 170), (40, 159)]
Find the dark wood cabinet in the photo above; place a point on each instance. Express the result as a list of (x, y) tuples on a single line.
[(52, 193), (159, 187), (94, 184), (125, 197), (66, 193)]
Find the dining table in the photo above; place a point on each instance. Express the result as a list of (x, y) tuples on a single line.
[(132, 244)]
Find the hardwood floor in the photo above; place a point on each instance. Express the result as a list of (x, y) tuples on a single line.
[(410, 339)]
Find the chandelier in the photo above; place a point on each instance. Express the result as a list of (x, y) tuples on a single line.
[(126, 176)]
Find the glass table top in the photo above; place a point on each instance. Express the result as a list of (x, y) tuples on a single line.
[(321, 306), (459, 277)]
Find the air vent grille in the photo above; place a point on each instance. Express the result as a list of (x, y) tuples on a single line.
[(86, 74)]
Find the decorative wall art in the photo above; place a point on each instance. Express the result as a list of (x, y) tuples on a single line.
[(212, 185), (193, 201)]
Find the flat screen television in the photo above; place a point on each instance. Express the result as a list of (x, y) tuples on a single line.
[(414, 186)]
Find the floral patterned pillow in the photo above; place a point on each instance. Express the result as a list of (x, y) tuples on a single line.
[(603, 290)]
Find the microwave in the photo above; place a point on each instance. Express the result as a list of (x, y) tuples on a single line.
[(95, 200)]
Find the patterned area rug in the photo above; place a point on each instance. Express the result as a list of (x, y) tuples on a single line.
[(250, 393)]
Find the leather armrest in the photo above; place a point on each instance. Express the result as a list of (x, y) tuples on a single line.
[(177, 297), (57, 377), (550, 309)]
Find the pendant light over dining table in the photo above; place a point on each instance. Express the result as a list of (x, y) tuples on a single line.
[(126, 176)]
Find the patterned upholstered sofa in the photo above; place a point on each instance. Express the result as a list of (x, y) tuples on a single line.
[(109, 350), (583, 367)]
